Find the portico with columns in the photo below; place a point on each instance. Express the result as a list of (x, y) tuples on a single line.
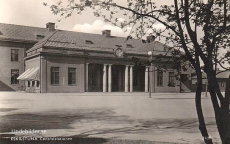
[(114, 78)]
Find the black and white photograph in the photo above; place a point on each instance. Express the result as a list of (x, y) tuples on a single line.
[(114, 71)]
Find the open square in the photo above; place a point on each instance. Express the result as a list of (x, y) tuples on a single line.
[(166, 117)]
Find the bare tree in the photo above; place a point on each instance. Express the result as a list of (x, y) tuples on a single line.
[(198, 29)]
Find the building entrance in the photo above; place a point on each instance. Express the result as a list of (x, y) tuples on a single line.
[(139, 78), (95, 77), (115, 78), (118, 78)]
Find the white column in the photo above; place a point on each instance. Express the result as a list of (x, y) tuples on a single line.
[(146, 78), (86, 77), (131, 78), (126, 78), (110, 78), (104, 78)]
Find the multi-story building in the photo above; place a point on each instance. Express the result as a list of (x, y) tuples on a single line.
[(14, 41), (50, 60)]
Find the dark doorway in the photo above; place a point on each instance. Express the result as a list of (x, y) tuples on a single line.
[(139, 78), (95, 77), (118, 78)]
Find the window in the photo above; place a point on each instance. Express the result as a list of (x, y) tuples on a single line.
[(129, 46), (222, 84), (14, 54), (71, 76), (40, 36), (171, 78), (88, 42), (14, 76), (54, 75), (159, 78), (118, 46)]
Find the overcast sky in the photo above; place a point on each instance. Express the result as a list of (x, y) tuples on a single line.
[(34, 13)]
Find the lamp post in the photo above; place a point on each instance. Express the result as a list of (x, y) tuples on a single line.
[(150, 54)]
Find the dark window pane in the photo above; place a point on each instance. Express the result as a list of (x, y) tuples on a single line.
[(159, 78), (171, 77), (54, 75), (14, 54), (14, 76), (71, 76)]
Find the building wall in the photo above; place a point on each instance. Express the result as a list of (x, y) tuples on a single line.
[(63, 63), (32, 63), (165, 87), (6, 65), (221, 83)]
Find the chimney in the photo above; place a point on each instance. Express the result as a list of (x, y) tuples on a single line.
[(106, 33), (50, 26), (150, 38)]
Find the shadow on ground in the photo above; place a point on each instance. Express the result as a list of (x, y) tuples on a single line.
[(105, 120), (66, 119)]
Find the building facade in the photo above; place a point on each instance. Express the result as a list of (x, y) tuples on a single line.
[(47, 60), (221, 77)]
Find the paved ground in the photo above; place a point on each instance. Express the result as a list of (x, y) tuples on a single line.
[(105, 118)]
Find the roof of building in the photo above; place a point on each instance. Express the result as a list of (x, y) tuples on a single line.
[(21, 33), (85, 41), (225, 74), (220, 74), (77, 40)]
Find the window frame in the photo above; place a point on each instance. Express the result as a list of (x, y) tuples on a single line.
[(55, 75), (160, 78), (14, 55), (129, 46), (72, 81), (89, 42), (171, 78), (13, 78)]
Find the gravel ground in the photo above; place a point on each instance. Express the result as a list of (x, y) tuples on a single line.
[(93, 118)]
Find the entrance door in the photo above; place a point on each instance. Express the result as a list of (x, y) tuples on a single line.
[(118, 78), (139, 78), (95, 77)]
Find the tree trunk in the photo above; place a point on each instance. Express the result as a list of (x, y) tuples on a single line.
[(202, 125), (221, 110), (226, 119)]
